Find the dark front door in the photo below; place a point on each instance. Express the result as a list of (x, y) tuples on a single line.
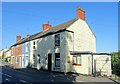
[(49, 62)]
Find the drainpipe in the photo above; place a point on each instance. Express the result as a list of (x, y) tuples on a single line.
[(92, 65), (66, 54)]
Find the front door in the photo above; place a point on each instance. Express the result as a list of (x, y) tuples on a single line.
[(49, 62)]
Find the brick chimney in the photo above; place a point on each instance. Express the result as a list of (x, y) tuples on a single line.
[(46, 26), (18, 38), (80, 13)]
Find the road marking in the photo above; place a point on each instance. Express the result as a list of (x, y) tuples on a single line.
[(23, 81), (0, 73), (7, 79), (6, 74)]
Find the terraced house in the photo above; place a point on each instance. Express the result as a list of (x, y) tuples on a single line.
[(67, 47)]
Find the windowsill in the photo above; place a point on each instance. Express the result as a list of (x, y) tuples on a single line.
[(57, 66), (57, 46), (77, 64)]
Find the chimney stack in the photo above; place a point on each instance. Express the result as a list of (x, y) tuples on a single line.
[(80, 13), (46, 26), (18, 38)]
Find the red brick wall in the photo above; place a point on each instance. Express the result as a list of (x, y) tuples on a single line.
[(17, 53)]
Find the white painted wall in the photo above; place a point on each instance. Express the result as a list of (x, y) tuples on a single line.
[(8, 53), (46, 45), (103, 64), (33, 52), (83, 40)]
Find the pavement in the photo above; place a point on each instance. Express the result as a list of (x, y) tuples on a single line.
[(29, 75)]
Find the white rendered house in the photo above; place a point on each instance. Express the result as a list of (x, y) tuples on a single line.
[(68, 47)]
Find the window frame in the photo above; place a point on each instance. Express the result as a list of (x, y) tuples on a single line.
[(26, 47), (77, 60), (57, 40), (57, 59), (34, 47), (33, 42)]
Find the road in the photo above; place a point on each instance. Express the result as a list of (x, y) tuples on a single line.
[(10, 75)]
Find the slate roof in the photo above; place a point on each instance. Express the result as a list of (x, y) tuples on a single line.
[(52, 30)]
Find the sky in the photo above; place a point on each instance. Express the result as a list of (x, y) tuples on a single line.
[(22, 18)]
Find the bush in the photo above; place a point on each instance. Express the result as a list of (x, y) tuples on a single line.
[(8, 59), (116, 63)]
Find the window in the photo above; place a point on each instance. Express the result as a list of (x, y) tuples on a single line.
[(26, 49), (33, 42), (76, 60), (79, 59), (57, 59), (17, 48), (57, 40), (33, 47), (17, 60), (26, 57)]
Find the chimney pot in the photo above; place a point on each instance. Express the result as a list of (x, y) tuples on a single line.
[(48, 22)]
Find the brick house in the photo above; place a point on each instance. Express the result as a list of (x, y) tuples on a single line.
[(16, 52)]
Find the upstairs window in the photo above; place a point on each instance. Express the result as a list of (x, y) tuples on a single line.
[(26, 48), (17, 48), (77, 60), (57, 40), (33, 42), (34, 45), (57, 59)]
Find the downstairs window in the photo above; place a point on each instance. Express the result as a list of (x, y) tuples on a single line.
[(77, 60)]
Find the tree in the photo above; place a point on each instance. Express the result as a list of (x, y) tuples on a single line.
[(116, 63)]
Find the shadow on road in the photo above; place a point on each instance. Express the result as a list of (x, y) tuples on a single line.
[(39, 76)]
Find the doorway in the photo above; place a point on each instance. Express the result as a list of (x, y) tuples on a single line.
[(49, 62)]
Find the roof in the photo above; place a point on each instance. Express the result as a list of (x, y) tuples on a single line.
[(60, 27), (87, 53), (23, 40)]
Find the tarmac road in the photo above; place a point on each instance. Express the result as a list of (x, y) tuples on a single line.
[(29, 75)]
